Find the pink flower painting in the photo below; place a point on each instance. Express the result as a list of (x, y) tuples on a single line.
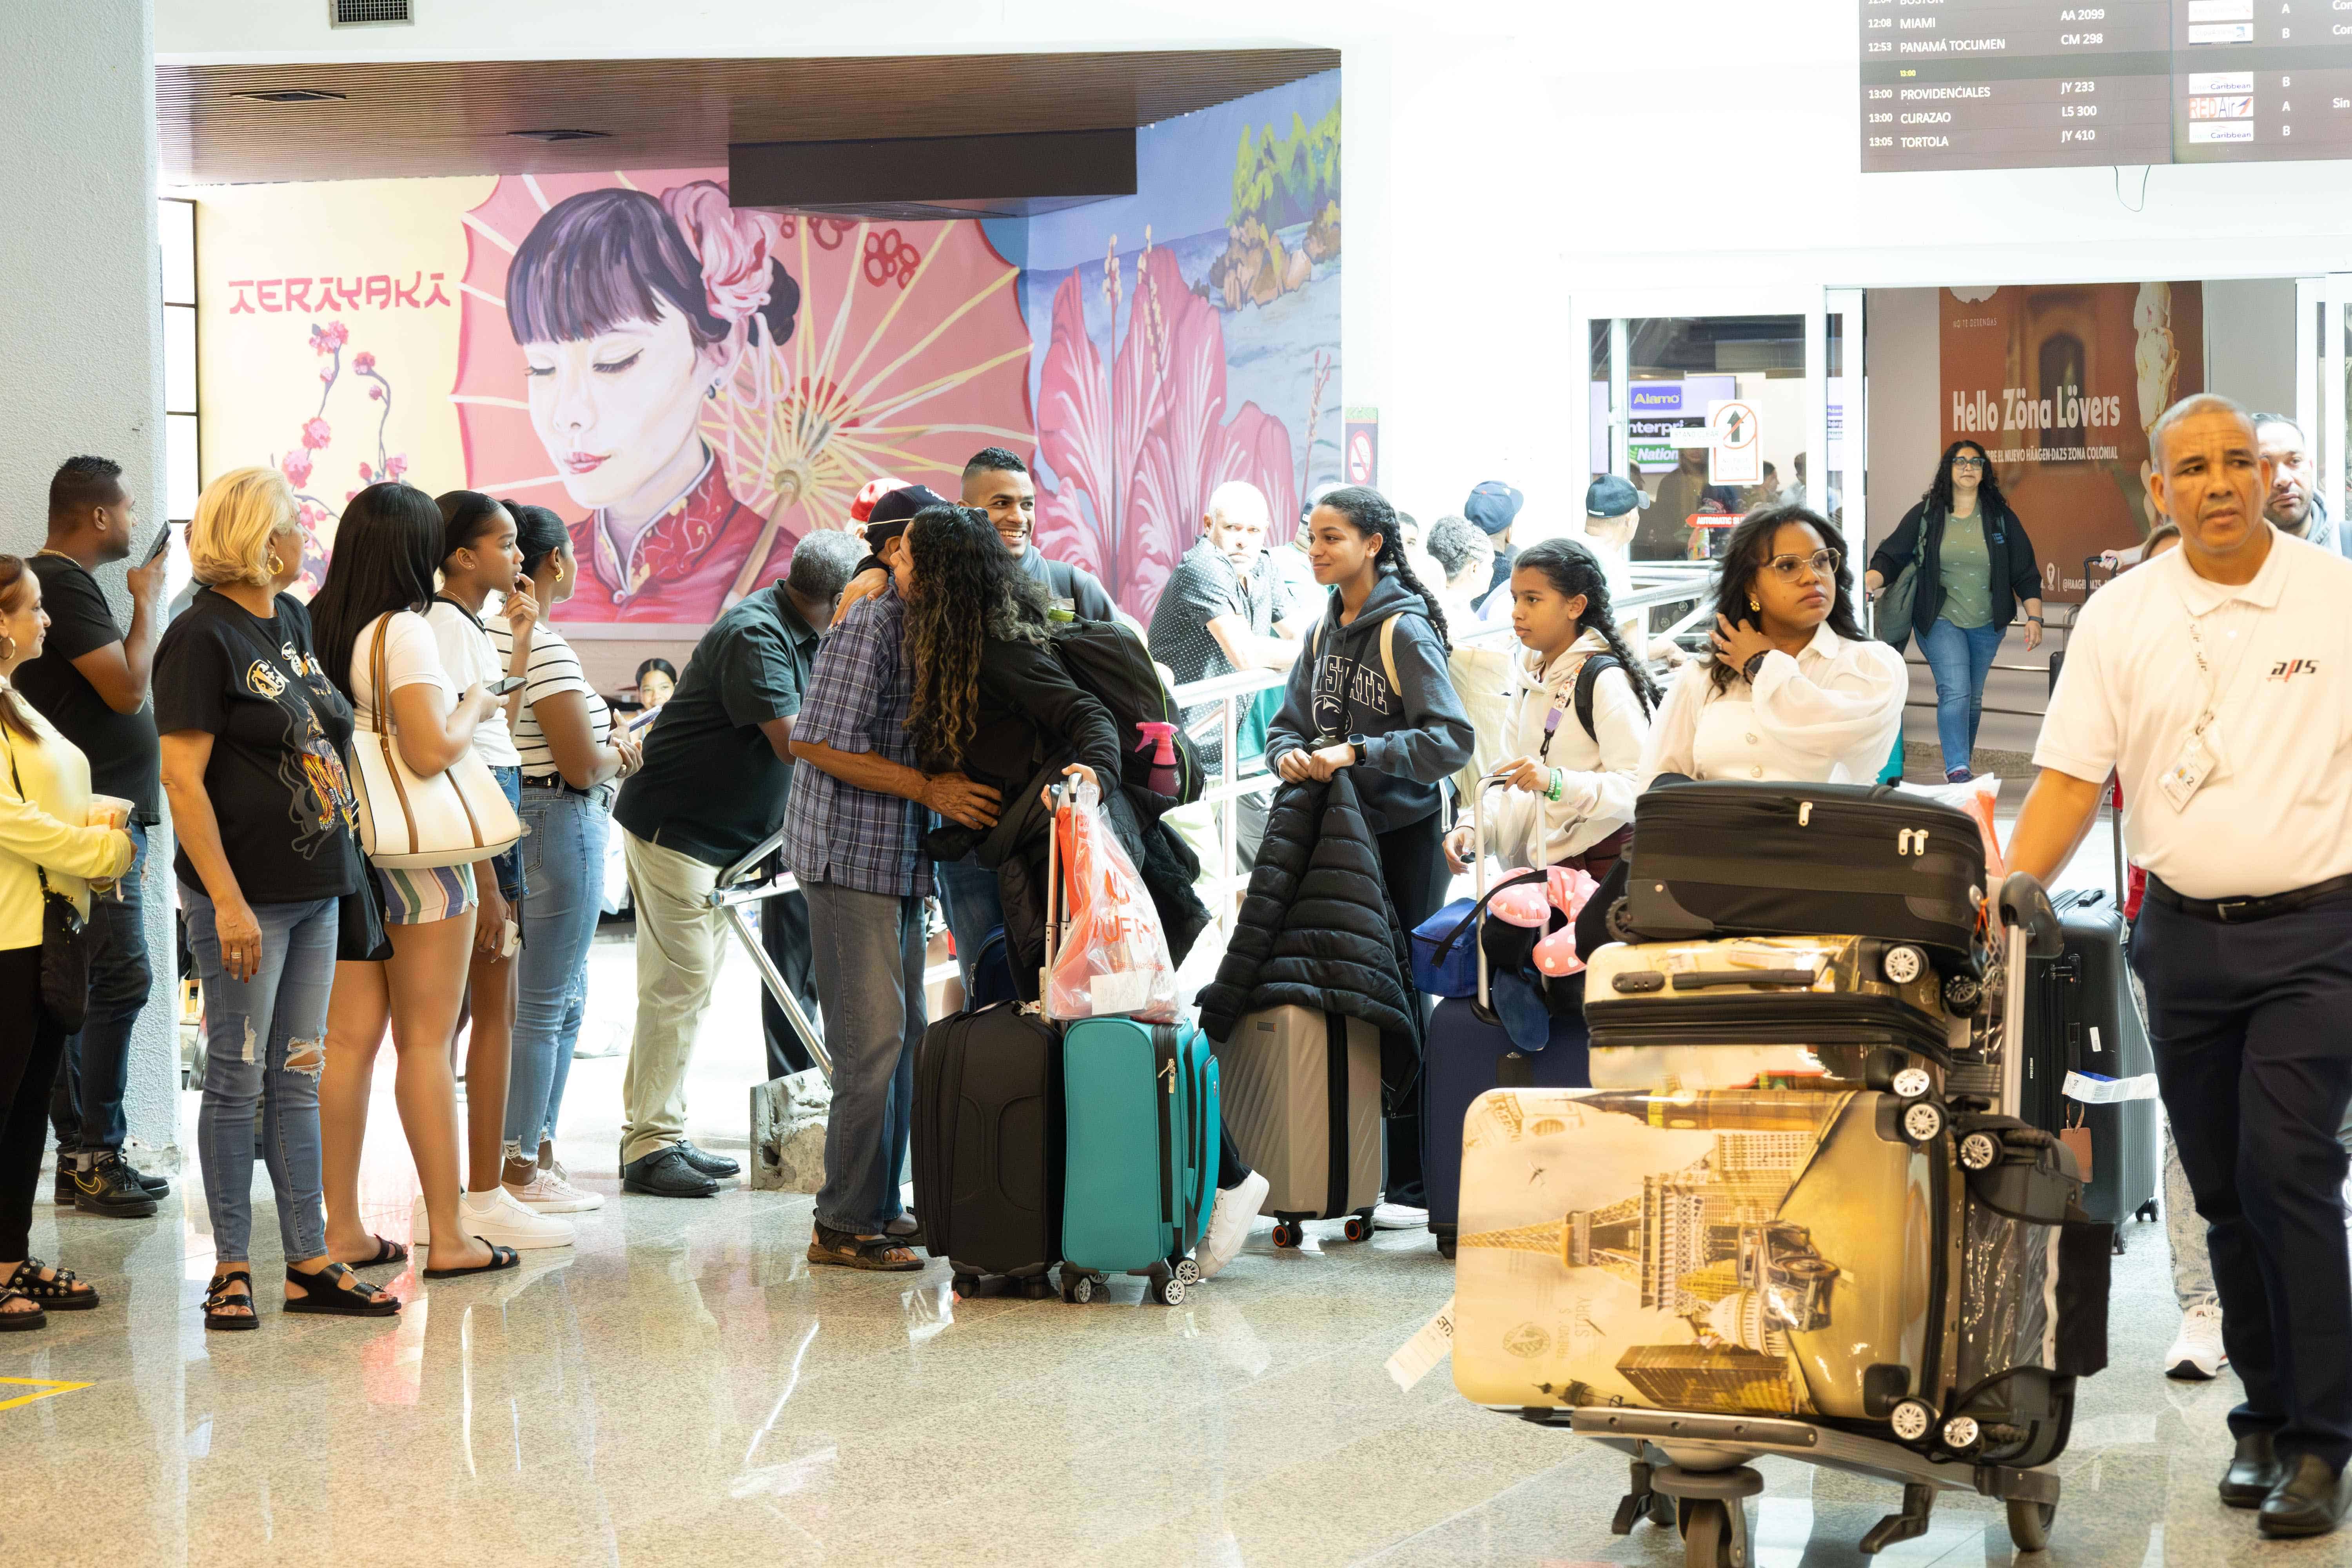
[(1134, 450)]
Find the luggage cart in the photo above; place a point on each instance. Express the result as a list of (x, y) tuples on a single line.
[(1690, 1469), (735, 891)]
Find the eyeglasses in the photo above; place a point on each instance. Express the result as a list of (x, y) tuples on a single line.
[(1821, 564), (1968, 462)]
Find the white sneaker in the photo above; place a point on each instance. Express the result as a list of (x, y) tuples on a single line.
[(2197, 1355), (1228, 1223), (497, 1218), (548, 1192), (1399, 1216)]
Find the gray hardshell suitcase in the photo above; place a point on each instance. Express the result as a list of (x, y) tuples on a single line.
[(1301, 1092)]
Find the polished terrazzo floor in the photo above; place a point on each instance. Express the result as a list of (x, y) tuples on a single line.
[(683, 1388)]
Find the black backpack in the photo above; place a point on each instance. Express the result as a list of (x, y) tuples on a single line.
[(1586, 679), (1110, 663)]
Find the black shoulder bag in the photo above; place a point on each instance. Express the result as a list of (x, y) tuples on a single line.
[(64, 944)]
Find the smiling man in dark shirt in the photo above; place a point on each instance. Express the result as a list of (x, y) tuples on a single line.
[(91, 682)]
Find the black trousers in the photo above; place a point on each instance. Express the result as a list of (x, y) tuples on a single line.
[(31, 1046), (1412, 864), (784, 932), (2254, 1055)]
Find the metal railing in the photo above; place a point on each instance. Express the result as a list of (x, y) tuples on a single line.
[(1655, 583)]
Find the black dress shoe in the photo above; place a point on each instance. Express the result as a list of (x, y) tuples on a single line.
[(708, 1165), (2253, 1472), (666, 1173), (2309, 1501)]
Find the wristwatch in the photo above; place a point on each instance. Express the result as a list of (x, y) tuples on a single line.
[(1362, 744), (2035, 620)]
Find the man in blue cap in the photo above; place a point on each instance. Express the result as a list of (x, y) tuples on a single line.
[(1493, 506)]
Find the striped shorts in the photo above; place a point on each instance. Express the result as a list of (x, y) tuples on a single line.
[(416, 897)]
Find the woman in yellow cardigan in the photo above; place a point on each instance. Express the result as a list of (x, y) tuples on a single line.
[(45, 809)]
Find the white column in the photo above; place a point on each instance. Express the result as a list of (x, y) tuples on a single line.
[(80, 333)]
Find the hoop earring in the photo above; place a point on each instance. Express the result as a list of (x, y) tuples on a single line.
[(558, 571), (12, 647), (275, 566)]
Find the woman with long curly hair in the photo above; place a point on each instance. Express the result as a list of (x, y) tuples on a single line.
[(1970, 582), (1796, 691), (991, 699)]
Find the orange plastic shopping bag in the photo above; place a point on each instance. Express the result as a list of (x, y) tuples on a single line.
[(1111, 958)]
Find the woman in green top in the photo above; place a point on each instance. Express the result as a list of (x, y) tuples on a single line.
[(1975, 566)]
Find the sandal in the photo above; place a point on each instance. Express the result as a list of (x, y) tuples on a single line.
[(881, 1254), (500, 1257), (222, 1297), (346, 1296), (19, 1323), (59, 1292), (385, 1252)]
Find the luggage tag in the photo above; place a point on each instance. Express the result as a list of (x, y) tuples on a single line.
[(1419, 1355)]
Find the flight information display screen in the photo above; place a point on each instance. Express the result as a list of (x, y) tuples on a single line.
[(1999, 84)]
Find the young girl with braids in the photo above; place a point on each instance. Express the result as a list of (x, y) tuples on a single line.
[(1573, 783), (1371, 693)]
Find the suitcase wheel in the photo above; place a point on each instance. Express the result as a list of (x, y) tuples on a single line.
[(967, 1285), (1923, 1121), (1186, 1271), (1911, 1083), (1911, 1420), (1077, 1289), (1961, 1434), (1036, 1290), (1445, 1247), (2147, 1211), (1357, 1229), (1980, 1151), (1904, 963), (1620, 921), (1169, 1292), (1286, 1233), (1963, 994)]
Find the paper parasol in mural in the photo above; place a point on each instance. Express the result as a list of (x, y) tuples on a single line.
[(907, 353), (1135, 452)]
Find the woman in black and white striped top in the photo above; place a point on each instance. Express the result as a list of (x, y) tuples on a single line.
[(572, 753)]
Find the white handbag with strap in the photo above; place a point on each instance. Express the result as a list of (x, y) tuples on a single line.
[(408, 821)]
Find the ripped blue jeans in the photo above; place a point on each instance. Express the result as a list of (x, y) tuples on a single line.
[(265, 1043)]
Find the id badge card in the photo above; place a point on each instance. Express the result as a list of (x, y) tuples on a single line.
[(2199, 762)]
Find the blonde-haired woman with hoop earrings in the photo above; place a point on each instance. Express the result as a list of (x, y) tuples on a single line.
[(572, 754), (253, 735)]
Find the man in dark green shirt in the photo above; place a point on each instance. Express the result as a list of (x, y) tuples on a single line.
[(717, 773)]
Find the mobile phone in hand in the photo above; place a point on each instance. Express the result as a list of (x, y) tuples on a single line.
[(508, 686), (163, 542)]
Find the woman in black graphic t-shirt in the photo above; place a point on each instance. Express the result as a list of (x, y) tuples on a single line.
[(253, 734)]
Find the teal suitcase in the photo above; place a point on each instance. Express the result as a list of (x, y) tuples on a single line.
[(1141, 1166)]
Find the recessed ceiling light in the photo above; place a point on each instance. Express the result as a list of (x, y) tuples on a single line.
[(293, 95), (561, 134)]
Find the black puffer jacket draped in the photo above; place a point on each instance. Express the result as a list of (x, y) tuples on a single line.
[(1317, 929)]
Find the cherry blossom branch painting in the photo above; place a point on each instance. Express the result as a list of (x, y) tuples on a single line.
[(328, 340), (1134, 447)]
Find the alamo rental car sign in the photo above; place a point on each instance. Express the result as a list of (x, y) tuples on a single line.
[(2060, 384)]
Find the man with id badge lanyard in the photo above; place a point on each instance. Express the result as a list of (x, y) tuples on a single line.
[(2213, 680)]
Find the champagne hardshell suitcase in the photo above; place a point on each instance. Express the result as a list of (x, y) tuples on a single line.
[(1718, 1013), (987, 1144), (1300, 1091)]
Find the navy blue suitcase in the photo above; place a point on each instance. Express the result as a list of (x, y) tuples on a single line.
[(1466, 1053)]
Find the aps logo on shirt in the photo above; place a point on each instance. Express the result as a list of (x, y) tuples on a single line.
[(2286, 670)]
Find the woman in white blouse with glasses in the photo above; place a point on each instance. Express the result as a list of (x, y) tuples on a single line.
[(1796, 691)]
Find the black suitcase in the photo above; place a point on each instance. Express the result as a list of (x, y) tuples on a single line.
[(987, 1143), (1732, 859), (2080, 1018)]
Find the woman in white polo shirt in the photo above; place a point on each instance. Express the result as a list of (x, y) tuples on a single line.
[(1795, 691)]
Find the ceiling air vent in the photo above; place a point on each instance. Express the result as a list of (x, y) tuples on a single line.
[(560, 134), (292, 95), (370, 13)]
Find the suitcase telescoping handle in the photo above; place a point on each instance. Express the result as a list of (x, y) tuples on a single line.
[(1059, 792), (2032, 925), (1537, 838)]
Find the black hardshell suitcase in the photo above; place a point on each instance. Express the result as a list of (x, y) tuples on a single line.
[(1733, 858), (2080, 1018), (987, 1144)]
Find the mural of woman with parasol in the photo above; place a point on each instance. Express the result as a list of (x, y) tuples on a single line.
[(710, 383)]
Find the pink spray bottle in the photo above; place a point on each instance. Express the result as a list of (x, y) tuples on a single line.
[(1164, 779)]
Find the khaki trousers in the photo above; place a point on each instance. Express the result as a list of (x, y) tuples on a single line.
[(679, 946)]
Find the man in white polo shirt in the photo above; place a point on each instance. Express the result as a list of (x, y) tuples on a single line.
[(2217, 681)]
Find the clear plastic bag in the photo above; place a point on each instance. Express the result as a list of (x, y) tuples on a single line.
[(1111, 958)]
